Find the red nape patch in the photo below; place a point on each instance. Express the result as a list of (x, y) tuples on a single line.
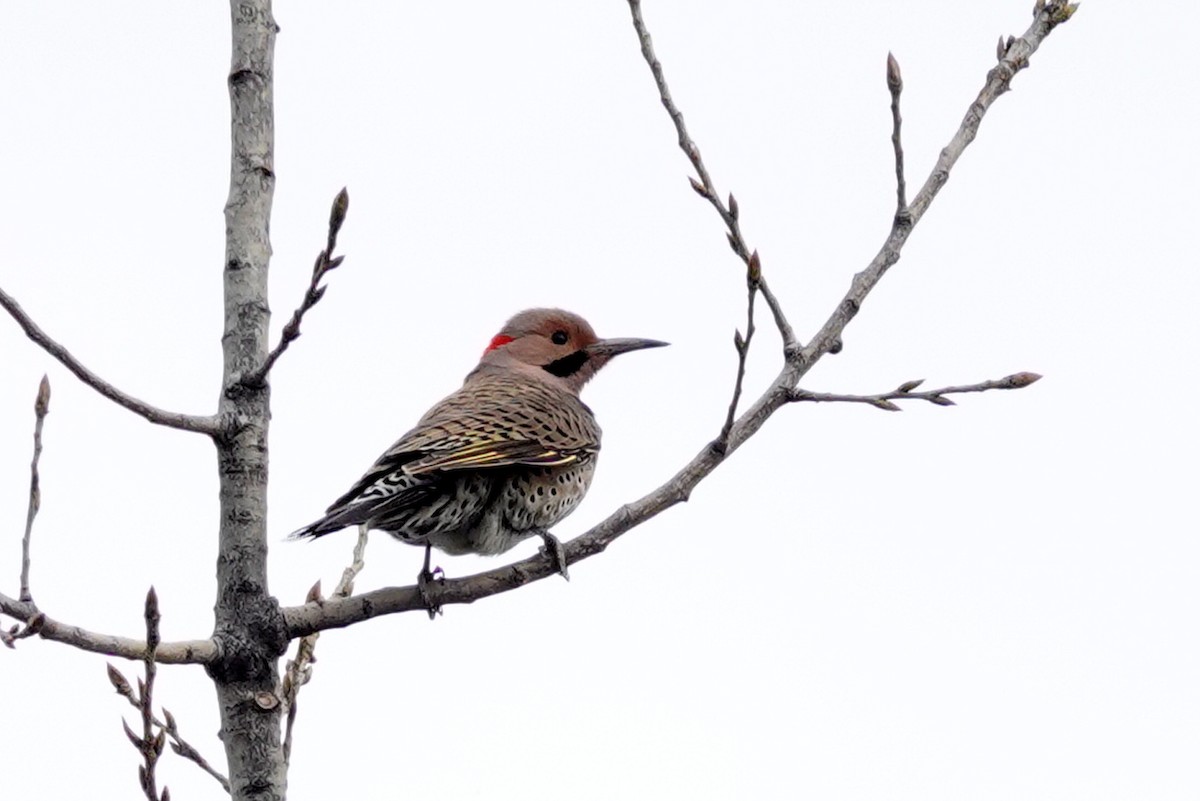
[(497, 341)]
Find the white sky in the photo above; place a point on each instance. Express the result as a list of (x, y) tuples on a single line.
[(993, 601)]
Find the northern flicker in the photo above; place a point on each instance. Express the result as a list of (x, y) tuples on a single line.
[(503, 458)]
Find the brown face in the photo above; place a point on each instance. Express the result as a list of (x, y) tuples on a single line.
[(561, 343), (545, 337)]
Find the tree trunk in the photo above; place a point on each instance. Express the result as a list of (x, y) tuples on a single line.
[(249, 632)]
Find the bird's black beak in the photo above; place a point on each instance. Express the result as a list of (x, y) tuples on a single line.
[(614, 347)]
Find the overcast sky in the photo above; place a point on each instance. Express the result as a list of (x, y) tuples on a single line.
[(991, 601)]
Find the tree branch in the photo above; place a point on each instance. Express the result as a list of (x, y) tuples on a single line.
[(1015, 58), (171, 729), (895, 87), (299, 670), (185, 652), (183, 422), (150, 744), (742, 346), (883, 400), (324, 264), (41, 408), (339, 612), (729, 215), (184, 749), (36, 622)]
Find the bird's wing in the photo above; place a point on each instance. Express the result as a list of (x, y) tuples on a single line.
[(500, 424), (493, 453)]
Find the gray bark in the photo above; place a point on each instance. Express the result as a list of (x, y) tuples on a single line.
[(249, 633)]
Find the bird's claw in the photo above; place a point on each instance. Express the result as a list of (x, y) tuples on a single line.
[(424, 579), (554, 551)]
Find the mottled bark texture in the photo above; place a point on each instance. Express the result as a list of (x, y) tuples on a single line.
[(249, 634)]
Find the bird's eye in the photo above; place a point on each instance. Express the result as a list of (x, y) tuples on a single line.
[(559, 337)]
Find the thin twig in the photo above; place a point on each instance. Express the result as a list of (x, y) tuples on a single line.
[(339, 612), (184, 749), (729, 215), (184, 422), (299, 670), (895, 87), (297, 674), (883, 400), (742, 346), (179, 745), (325, 262), (149, 744), (41, 408), (152, 745), (37, 622)]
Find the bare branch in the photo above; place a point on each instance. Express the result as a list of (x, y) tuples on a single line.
[(184, 749), (339, 612), (36, 622), (704, 187), (299, 670), (741, 344), (326, 262), (41, 408), (895, 87), (883, 400), (999, 79), (729, 215), (183, 422), (151, 744), (179, 745), (297, 674), (186, 652)]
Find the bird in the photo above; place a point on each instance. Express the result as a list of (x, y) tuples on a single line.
[(503, 458)]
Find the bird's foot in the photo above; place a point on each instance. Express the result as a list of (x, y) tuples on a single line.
[(424, 579), (553, 549)]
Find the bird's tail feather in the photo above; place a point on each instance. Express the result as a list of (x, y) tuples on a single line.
[(333, 521), (363, 510)]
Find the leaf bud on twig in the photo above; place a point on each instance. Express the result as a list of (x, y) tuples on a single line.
[(894, 81)]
